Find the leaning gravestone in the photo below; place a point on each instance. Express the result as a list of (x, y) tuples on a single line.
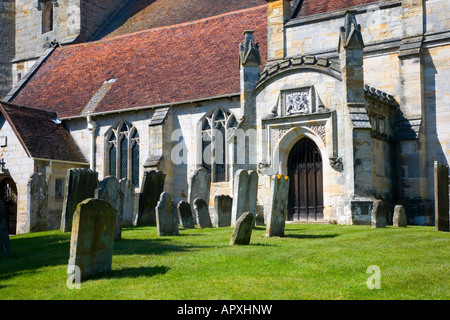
[(202, 214), (5, 247), (199, 187), (399, 219), (92, 239), (242, 231), (276, 219), (166, 216), (379, 214), (151, 189), (222, 210), (127, 188), (441, 197), (110, 191), (185, 214), (37, 213), (245, 193), (80, 185)]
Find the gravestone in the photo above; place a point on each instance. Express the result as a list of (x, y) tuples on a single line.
[(166, 216), (110, 191), (259, 219), (245, 193), (242, 231), (199, 187), (37, 213), (151, 189), (5, 247), (127, 188), (202, 214), (80, 185), (276, 219), (222, 210), (185, 214), (379, 214), (441, 198), (399, 219), (92, 238)]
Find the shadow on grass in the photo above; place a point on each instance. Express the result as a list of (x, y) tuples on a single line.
[(38, 250), (132, 273), (149, 247), (310, 236)]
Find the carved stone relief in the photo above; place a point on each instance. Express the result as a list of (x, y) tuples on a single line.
[(298, 102)]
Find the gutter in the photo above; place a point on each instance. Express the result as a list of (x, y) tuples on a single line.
[(155, 106), (60, 161)]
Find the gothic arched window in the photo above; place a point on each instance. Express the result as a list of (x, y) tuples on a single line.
[(122, 152), (215, 129)]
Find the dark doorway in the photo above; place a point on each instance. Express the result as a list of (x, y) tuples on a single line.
[(305, 202), (8, 194)]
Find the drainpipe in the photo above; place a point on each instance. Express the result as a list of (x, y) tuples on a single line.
[(91, 125)]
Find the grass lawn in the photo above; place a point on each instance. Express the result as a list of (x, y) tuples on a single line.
[(312, 261)]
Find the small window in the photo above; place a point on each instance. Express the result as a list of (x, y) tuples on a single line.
[(59, 188), (47, 16)]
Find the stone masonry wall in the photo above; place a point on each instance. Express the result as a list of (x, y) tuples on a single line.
[(7, 38), (19, 166)]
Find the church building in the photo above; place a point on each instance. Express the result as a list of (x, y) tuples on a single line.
[(348, 98)]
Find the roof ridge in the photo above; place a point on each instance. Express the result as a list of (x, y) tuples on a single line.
[(178, 25)]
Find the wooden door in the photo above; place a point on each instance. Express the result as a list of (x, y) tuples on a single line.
[(305, 202)]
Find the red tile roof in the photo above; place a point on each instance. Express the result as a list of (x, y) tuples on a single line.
[(138, 15), (310, 7), (40, 136), (164, 65)]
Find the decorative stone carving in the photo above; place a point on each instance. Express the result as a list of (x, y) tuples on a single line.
[(277, 135), (298, 102), (321, 132), (336, 163)]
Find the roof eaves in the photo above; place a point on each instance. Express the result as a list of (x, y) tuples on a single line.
[(16, 132)]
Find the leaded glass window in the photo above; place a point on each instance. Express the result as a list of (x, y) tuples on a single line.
[(122, 152), (215, 128)]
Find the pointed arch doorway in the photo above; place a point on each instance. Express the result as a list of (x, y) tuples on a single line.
[(305, 169), (8, 194)]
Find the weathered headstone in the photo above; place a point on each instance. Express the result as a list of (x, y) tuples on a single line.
[(399, 219), (127, 188), (166, 216), (5, 247), (80, 185), (222, 210), (379, 214), (151, 189), (110, 191), (276, 219), (185, 214), (202, 214), (242, 231), (92, 239), (37, 213), (199, 187), (259, 219), (441, 198), (245, 193)]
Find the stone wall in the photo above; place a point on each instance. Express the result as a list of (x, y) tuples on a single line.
[(157, 140), (20, 167), (7, 38)]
